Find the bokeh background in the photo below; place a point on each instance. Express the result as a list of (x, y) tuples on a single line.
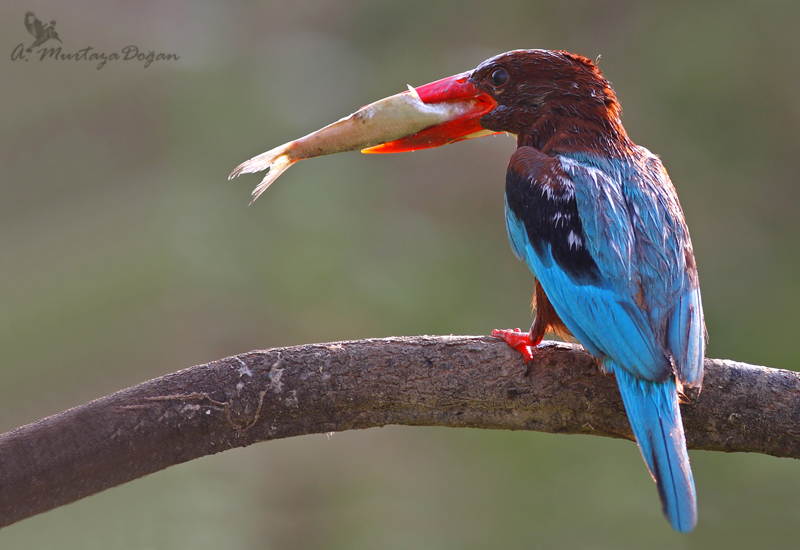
[(125, 254)]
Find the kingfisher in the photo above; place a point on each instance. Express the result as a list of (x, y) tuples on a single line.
[(40, 31), (594, 216)]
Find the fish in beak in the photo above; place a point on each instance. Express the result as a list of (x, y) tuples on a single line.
[(436, 114)]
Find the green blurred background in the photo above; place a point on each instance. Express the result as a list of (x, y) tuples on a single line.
[(125, 255)]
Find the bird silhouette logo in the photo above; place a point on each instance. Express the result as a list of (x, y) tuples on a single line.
[(42, 33)]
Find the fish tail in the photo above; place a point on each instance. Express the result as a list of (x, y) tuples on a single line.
[(275, 161)]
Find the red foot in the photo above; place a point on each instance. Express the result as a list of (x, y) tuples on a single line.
[(520, 341)]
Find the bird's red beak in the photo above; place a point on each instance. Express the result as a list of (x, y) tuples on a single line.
[(455, 89)]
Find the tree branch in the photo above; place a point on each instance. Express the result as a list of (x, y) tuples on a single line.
[(457, 381)]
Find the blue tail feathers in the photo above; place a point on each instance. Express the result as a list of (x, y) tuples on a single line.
[(655, 418)]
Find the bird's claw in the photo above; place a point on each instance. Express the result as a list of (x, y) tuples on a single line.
[(520, 341)]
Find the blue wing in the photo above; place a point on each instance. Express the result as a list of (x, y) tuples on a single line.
[(640, 303), (608, 243)]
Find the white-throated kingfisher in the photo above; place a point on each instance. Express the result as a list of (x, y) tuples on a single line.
[(594, 216)]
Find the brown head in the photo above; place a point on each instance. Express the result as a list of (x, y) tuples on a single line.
[(549, 99)]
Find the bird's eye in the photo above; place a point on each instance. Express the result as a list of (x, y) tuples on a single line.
[(498, 77)]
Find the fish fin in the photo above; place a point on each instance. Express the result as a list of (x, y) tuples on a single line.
[(276, 161)]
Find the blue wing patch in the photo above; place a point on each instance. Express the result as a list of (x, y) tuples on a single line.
[(687, 337), (516, 234), (639, 304), (599, 318)]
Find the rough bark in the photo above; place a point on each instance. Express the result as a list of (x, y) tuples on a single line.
[(457, 381)]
